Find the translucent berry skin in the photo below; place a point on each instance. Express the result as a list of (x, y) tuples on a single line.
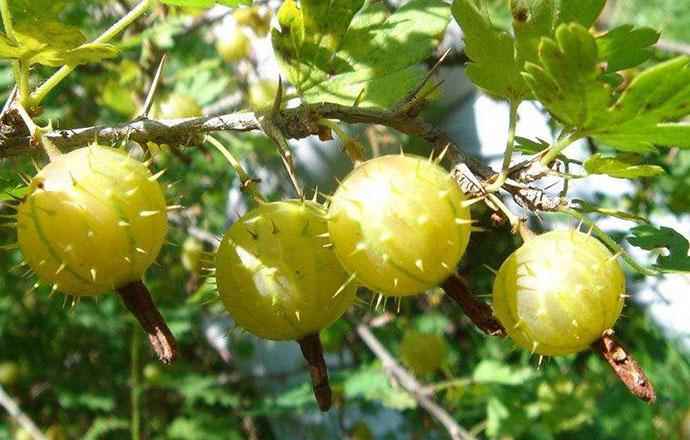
[(557, 293), (398, 223), (276, 278), (92, 221)]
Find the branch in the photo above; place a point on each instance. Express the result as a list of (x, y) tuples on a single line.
[(16, 413), (294, 123), (625, 367), (410, 384)]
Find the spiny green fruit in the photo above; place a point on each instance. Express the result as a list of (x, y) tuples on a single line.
[(177, 106), (400, 224), (423, 353), (558, 292), (276, 277), (93, 220), (234, 47)]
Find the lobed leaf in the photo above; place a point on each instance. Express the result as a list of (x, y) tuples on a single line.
[(620, 167), (625, 47), (568, 80), (649, 237), (493, 67), (338, 50), (53, 44)]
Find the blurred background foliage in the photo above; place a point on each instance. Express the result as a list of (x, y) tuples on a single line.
[(83, 371)]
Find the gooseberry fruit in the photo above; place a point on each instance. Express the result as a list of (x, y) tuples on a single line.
[(9, 373), (399, 224), (262, 94), (559, 292), (423, 353), (234, 47), (253, 18), (177, 106), (192, 252), (279, 281), (92, 221), (275, 276)]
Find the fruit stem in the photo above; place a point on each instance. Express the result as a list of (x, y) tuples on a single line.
[(42, 91), (553, 151), (610, 242), (248, 184), (479, 312), (625, 367), (137, 299), (7, 20), (508, 154), (313, 354), (135, 385), (36, 133)]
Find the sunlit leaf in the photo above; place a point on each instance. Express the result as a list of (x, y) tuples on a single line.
[(649, 237)]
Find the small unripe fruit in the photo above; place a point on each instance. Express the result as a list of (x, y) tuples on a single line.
[(276, 278), (262, 94), (177, 106), (399, 223), (9, 373), (93, 220), (253, 18), (423, 353), (192, 251), (234, 47), (558, 292)]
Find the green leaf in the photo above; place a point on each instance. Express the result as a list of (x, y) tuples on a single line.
[(565, 80), (206, 3), (371, 383), (529, 146), (568, 81), (648, 237), (584, 12), (620, 166), (625, 47), (493, 67), (588, 208), (52, 43), (494, 372), (532, 20), (335, 51)]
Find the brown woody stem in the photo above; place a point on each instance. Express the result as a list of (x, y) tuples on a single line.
[(625, 367), (313, 354), (137, 299), (479, 312)]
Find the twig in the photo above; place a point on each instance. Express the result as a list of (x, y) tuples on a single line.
[(312, 350), (17, 414), (137, 299), (294, 123), (411, 385), (625, 367), (479, 312)]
